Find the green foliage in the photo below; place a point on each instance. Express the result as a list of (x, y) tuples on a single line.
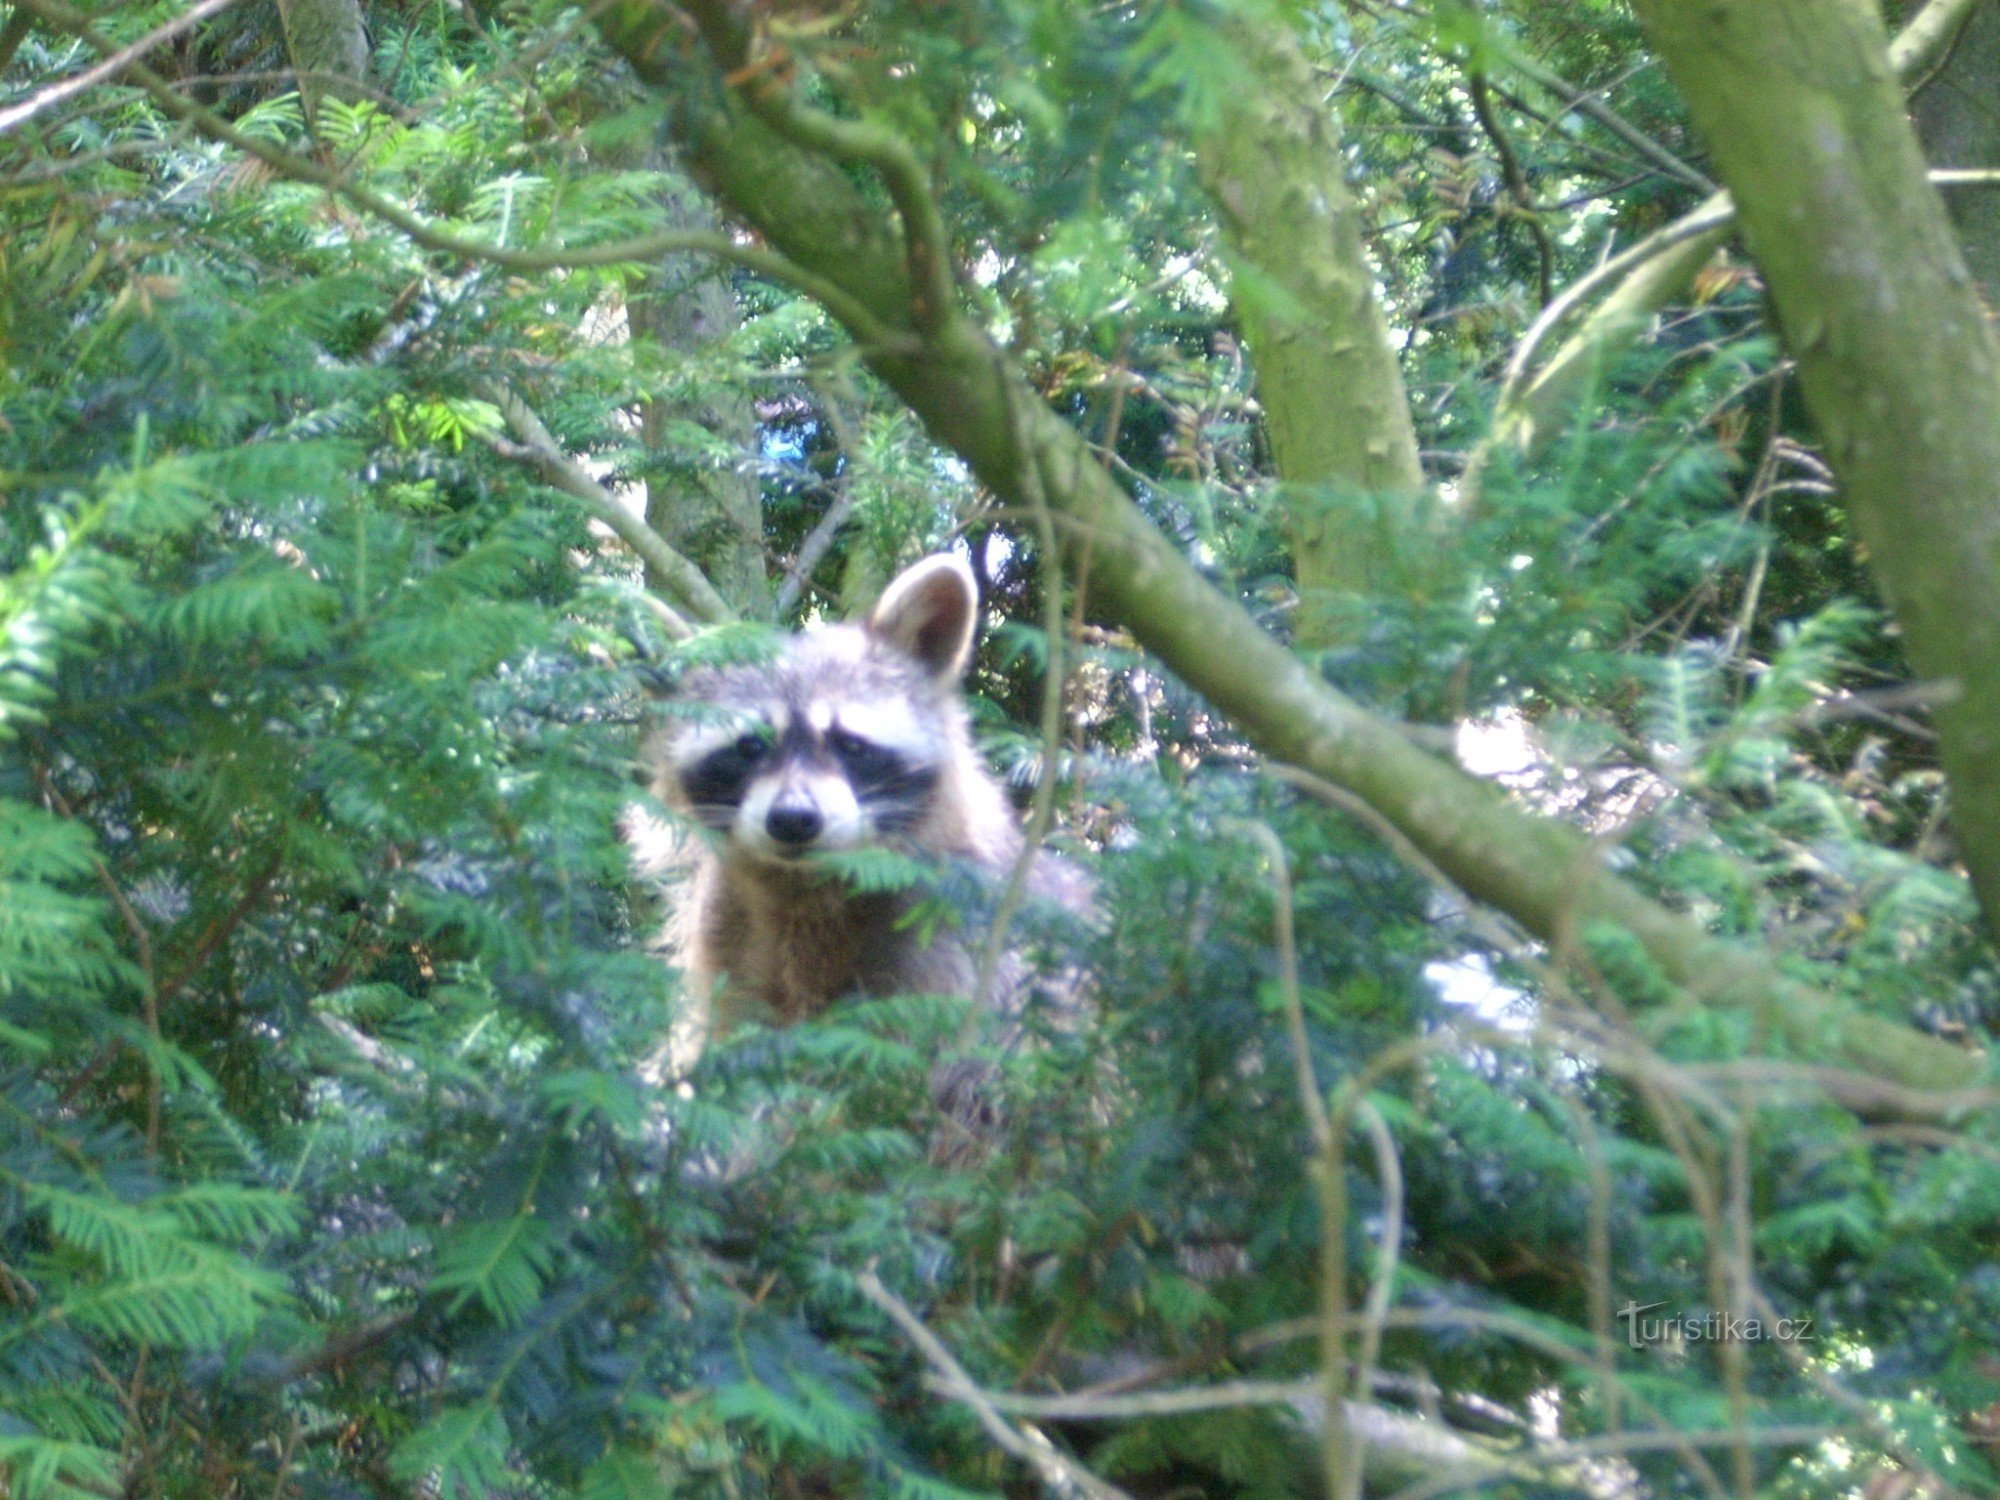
[(333, 1158)]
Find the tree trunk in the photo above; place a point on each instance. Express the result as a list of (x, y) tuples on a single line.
[(711, 513), (974, 400), (1327, 377), (1899, 366), (1535, 403), (327, 41)]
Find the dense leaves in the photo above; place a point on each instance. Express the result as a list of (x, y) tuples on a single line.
[(334, 1153)]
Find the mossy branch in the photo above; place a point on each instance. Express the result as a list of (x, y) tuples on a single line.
[(973, 398), (1652, 273)]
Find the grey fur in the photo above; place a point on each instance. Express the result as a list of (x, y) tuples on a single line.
[(775, 939)]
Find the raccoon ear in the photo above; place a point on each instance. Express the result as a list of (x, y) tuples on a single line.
[(930, 612)]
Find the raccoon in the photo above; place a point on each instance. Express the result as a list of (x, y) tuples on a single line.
[(853, 736)]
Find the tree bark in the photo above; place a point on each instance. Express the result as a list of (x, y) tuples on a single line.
[(1535, 403), (974, 400), (1327, 376), (1899, 366), (327, 40)]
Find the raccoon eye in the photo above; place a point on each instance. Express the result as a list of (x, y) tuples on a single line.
[(863, 758), (752, 746)]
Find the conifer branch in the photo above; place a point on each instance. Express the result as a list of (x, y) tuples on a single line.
[(638, 250), (142, 946)]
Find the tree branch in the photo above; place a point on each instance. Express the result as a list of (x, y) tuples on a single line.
[(1648, 276), (926, 246), (540, 451), (1586, 103), (1061, 1474), (813, 549), (640, 250), (1517, 183), (974, 400), (113, 64), (1927, 36)]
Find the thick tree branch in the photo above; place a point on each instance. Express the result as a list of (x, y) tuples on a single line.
[(926, 246), (1898, 363), (1927, 36), (1545, 874), (1327, 375), (1644, 277), (1648, 276)]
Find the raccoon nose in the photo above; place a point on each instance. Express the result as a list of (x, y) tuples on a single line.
[(794, 824)]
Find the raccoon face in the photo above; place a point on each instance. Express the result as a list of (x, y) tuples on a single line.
[(842, 740)]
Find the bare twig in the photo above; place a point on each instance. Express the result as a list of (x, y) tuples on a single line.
[(1060, 1474), (1407, 1441), (1517, 185), (1311, 1099), (1389, 1250), (117, 62), (798, 573), (813, 549), (1586, 103), (1042, 809), (1327, 1175), (1082, 1406)]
